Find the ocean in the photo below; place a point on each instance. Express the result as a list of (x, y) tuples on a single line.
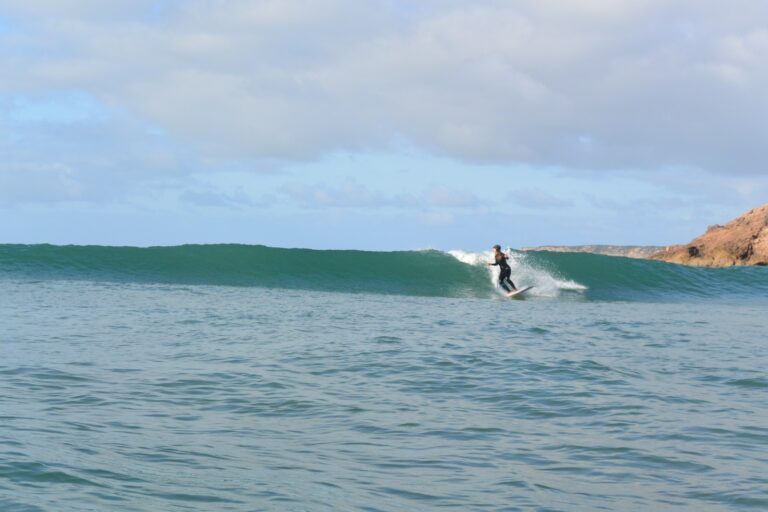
[(247, 378)]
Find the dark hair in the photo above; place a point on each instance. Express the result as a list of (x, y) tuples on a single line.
[(497, 246)]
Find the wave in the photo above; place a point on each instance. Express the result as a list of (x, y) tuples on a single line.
[(423, 273), (525, 272), (618, 278), (426, 273)]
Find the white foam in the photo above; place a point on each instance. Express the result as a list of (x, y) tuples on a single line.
[(544, 283)]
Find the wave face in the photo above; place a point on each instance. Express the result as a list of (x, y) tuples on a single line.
[(423, 273), (616, 278)]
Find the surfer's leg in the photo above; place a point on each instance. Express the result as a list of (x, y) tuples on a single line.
[(505, 281)]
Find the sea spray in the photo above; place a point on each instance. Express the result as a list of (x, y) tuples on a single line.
[(525, 272)]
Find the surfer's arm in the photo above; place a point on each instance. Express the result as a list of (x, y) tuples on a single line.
[(497, 262)]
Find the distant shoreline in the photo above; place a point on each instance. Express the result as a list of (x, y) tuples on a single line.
[(626, 251)]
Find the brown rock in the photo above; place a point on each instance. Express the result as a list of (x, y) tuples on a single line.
[(743, 241)]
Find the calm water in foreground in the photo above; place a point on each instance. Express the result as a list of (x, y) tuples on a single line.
[(147, 397)]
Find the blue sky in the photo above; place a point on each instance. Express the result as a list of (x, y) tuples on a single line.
[(383, 124)]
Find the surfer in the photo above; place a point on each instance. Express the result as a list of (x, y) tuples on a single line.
[(504, 271)]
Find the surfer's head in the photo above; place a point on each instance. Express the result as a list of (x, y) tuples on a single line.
[(497, 248)]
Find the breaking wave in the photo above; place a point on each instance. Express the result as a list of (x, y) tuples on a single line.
[(422, 273)]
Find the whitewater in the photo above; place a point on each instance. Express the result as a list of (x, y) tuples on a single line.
[(546, 284), (240, 378)]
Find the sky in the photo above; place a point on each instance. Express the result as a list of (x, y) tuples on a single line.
[(380, 124)]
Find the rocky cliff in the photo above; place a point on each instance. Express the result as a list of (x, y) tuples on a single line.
[(743, 241)]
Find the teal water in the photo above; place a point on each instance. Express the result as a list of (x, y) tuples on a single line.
[(182, 380), (423, 273)]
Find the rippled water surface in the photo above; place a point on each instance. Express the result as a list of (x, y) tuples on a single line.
[(142, 397)]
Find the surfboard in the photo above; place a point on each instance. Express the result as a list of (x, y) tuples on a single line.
[(519, 292)]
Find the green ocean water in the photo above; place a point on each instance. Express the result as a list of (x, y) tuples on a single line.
[(243, 378), (421, 273)]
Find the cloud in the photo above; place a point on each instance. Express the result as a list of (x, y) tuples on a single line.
[(39, 182), (593, 84), (349, 195), (218, 199), (437, 219), (62, 109), (440, 196), (68, 147), (355, 195), (537, 199)]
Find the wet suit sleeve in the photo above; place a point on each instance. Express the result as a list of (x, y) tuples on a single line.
[(500, 260)]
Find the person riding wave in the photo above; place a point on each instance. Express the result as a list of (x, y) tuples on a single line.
[(504, 271)]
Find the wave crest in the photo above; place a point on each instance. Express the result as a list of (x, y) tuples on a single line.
[(525, 272)]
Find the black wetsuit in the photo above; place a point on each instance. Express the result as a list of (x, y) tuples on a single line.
[(504, 272)]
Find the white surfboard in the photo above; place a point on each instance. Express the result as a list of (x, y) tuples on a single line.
[(519, 292)]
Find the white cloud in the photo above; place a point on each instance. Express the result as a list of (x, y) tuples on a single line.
[(349, 195), (352, 194), (440, 196), (537, 199), (576, 84), (437, 219), (212, 198), (40, 182)]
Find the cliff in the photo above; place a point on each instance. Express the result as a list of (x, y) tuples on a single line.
[(627, 251), (743, 241)]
